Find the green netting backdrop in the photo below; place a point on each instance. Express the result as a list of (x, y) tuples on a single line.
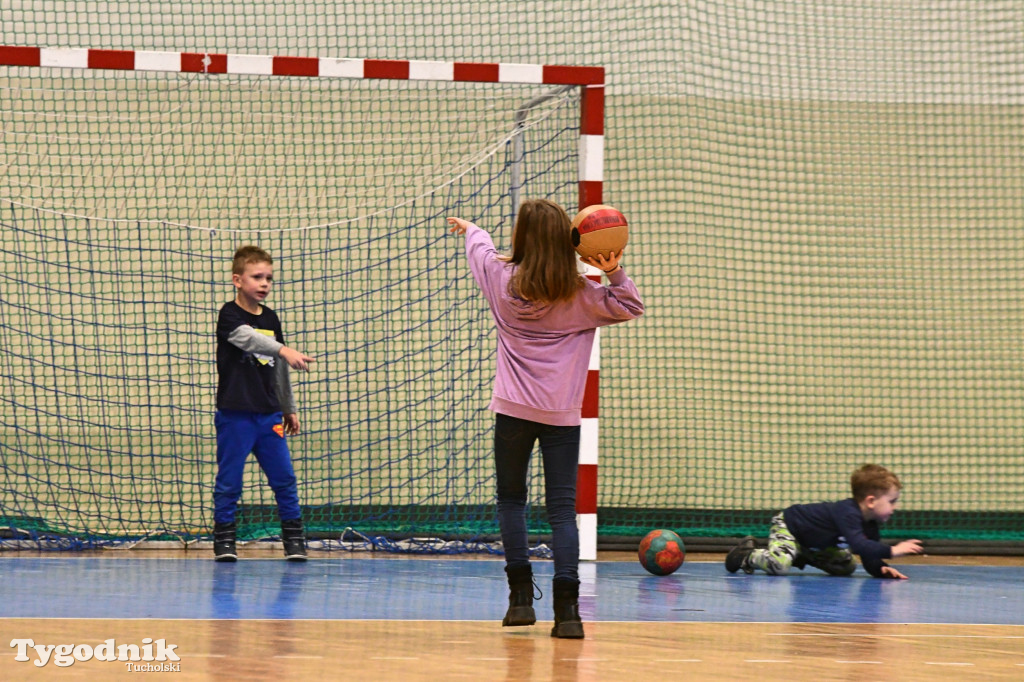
[(826, 200)]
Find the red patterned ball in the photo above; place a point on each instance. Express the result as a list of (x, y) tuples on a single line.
[(662, 552)]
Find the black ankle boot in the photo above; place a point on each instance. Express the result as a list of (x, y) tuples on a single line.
[(567, 610), (520, 596), (224, 542), (293, 536)]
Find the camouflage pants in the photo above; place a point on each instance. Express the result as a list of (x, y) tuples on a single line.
[(784, 552)]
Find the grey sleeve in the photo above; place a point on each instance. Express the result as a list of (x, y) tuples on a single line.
[(251, 341), (284, 387)]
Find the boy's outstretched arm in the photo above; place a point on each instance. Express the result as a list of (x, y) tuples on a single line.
[(251, 341), (882, 569), (907, 547), (294, 358), (900, 549)]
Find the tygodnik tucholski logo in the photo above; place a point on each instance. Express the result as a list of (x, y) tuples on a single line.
[(151, 656)]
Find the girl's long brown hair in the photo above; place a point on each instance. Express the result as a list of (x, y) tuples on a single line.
[(542, 249)]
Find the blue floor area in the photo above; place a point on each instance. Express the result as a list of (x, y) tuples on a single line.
[(411, 589)]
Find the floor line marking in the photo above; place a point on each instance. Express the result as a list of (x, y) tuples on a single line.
[(881, 636)]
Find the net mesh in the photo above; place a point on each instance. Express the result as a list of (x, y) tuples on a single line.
[(825, 208), (110, 384)]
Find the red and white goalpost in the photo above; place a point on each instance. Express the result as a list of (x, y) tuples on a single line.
[(591, 154)]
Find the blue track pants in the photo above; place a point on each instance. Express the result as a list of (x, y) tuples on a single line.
[(238, 434)]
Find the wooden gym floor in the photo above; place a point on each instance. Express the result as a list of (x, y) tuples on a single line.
[(357, 616)]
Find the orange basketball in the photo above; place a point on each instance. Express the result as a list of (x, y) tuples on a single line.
[(599, 229)]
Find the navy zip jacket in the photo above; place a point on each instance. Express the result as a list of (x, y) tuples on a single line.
[(839, 524)]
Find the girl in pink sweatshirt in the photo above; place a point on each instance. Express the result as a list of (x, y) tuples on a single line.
[(546, 313)]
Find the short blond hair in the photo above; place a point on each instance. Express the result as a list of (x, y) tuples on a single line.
[(247, 255), (872, 479)]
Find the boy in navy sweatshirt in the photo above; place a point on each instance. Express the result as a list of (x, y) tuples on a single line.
[(255, 406), (826, 535)]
